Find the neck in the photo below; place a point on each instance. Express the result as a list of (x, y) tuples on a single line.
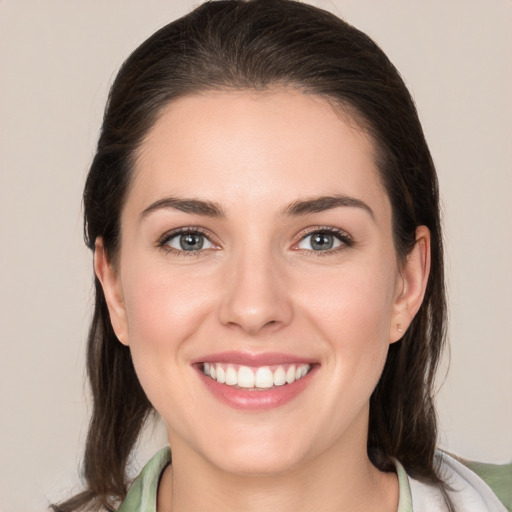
[(332, 481)]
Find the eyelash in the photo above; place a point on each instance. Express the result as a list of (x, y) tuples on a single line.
[(342, 236), (191, 230)]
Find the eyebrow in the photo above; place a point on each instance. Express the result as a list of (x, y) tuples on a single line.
[(197, 206), (323, 203), (296, 208)]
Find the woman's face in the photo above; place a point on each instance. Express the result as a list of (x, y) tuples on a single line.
[(256, 244)]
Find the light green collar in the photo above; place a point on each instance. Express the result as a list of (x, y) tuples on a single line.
[(142, 494), (404, 491)]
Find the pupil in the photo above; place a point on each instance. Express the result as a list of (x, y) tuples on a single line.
[(191, 241), (322, 241)]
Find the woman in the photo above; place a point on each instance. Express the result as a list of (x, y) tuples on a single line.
[(263, 211)]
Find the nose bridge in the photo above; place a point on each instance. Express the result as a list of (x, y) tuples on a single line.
[(255, 297)]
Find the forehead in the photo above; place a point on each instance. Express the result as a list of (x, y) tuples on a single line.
[(264, 148)]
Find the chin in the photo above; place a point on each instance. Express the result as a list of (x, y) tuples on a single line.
[(259, 464), (258, 456)]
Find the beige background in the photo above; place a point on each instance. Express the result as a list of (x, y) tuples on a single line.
[(57, 59)]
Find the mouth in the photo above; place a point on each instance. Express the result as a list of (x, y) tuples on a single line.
[(255, 378), (255, 382)]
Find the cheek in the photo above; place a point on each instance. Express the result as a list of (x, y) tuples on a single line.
[(164, 309), (352, 311), (353, 305), (163, 305)]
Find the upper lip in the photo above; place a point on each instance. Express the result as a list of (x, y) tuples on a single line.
[(252, 359)]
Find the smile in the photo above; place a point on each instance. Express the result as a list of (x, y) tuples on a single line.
[(255, 378), (255, 382)]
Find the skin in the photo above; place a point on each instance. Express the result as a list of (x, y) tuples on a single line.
[(258, 286)]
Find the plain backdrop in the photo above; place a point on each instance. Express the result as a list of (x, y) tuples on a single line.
[(57, 59)]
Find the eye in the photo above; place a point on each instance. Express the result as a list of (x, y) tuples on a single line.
[(186, 241), (324, 240)]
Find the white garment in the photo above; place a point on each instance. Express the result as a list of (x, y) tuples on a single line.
[(469, 493)]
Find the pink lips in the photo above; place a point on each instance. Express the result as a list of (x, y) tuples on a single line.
[(253, 399), (249, 359)]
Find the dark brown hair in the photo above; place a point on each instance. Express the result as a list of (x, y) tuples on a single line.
[(258, 44)]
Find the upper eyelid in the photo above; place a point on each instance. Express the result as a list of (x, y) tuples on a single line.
[(184, 230), (324, 229), (341, 233), (343, 236)]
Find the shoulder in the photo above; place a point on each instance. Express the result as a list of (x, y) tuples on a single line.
[(143, 492), (468, 492)]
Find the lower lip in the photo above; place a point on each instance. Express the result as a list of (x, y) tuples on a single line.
[(253, 399)]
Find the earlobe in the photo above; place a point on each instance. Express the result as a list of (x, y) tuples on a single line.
[(413, 283), (110, 281)]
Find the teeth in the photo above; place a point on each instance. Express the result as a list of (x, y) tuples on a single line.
[(263, 377), (231, 376), (245, 377), (221, 374), (279, 377), (290, 374)]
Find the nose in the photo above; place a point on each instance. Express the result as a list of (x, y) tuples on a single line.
[(256, 295)]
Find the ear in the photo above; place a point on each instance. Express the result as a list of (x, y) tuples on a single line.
[(112, 289), (411, 285)]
